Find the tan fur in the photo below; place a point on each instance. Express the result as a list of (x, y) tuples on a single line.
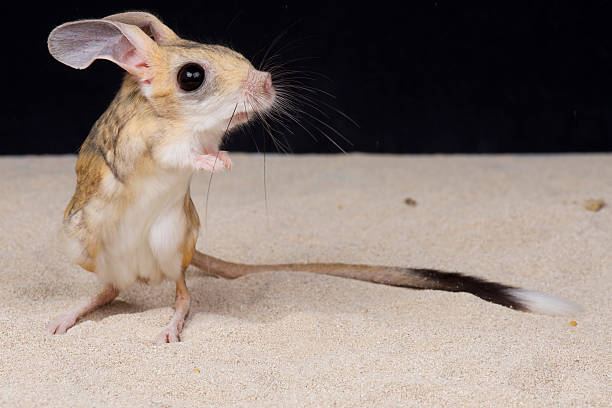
[(131, 216), (386, 275), (123, 142), (188, 249)]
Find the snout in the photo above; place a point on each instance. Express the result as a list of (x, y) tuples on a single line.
[(259, 85)]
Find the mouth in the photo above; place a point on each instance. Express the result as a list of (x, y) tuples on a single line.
[(241, 116), (247, 113)]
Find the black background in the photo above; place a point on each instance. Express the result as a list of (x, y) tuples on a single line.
[(430, 76)]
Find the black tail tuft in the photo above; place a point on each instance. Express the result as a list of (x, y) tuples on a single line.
[(457, 282)]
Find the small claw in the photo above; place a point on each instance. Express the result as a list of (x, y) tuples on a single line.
[(216, 158), (224, 157), (168, 335), (208, 162)]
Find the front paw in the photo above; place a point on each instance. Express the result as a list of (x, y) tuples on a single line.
[(224, 157), (209, 162)]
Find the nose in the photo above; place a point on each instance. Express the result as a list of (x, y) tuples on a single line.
[(259, 81), (267, 82)]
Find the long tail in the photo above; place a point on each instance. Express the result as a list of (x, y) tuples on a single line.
[(514, 298)]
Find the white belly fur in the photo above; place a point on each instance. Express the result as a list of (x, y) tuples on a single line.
[(141, 235)]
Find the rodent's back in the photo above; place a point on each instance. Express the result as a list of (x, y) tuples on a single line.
[(106, 160), (108, 148)]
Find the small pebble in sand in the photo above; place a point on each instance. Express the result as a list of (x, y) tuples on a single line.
[(573, 323), (339, 206), (195, 370), (594, 205), (409, 201)]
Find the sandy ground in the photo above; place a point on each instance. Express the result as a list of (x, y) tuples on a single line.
[(281, 339)]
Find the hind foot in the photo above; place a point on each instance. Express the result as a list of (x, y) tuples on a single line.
[(170, 334), (66, 320), (62, 323)]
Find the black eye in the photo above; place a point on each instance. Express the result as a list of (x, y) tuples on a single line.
[(191, 77)]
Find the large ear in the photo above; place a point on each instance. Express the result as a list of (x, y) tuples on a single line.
[(78, 43), (148, 23)]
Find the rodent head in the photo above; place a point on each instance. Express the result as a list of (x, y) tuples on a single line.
[(196, 86), (210, 84)]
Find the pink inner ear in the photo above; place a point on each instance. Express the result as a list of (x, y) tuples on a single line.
[(131, 59)]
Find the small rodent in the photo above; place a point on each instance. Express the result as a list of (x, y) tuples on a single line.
[(132, 218)]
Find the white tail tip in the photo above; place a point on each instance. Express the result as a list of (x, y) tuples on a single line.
[(542, 303)]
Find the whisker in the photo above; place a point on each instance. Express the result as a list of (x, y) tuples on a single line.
[(297, 122), (285, 48), (297, 103), (291, 61), (289, 84), (265, 186), (247, 115), (234, 19), (338, 111), (304, 99), (276, 39), (310, 103), (292, 117), (313, 102), (210, 183), (301, 111), (264, 165), (280, 147), (263, 121), (309, 73)]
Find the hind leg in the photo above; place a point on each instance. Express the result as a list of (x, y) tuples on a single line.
[(66, 320), (171, 332)]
